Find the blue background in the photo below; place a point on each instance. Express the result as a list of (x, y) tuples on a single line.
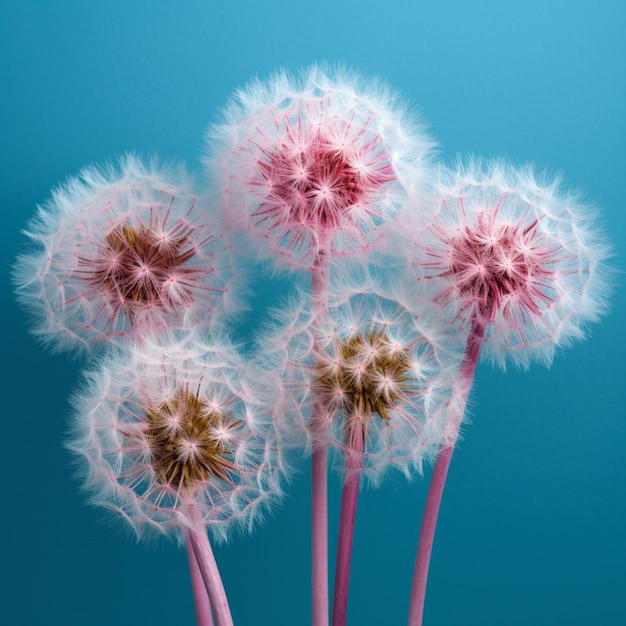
[(532, 524)]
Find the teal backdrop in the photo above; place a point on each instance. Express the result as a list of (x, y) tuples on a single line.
[(532, 525)]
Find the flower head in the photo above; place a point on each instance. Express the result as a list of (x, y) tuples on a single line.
[(314, 165), (120, 253), (373, 360), (521, 259), (176, 428)]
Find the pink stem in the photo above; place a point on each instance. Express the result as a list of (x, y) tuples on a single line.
[(354, 456), (210, 575), (204, 617), (319, 478), (319, 536), (438, 480)]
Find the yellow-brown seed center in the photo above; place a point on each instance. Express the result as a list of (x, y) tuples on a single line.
[(371, 373), (188, 442)]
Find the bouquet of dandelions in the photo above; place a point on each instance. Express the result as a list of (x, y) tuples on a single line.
[(403, 272)]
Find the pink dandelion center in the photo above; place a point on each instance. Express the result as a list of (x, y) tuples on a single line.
[(317, 185), (494, 264), (188, 442), (144, 266), (370, 375)]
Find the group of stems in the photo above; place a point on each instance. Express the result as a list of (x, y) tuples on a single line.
[(353, 465), (204, 615), (208, 590), (209, 594)]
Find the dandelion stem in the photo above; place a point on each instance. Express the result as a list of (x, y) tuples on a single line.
[(440, 472), (319, 537), (211, 576), (319, 478), (204, 617), (354, 455), (427, 535)]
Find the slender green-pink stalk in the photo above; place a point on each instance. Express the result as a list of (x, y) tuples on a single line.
[(354, 455), (440, 472), (204, 617)]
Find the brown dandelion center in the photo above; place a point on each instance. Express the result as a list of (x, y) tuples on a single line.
[(371, 374), (187, 442), (137, 262)]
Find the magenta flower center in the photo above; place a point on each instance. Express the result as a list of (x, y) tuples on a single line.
[(316, 185), (494, 264)]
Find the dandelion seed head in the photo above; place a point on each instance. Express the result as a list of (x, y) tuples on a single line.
[(525, 260), (365, 363), (164, 427), (121, 250)]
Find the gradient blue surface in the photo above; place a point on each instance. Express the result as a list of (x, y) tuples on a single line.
[(531, 530)]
